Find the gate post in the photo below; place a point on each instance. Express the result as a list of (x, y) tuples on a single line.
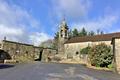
[(116, 52)]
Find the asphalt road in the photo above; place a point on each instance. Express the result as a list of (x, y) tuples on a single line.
[(53, 71)]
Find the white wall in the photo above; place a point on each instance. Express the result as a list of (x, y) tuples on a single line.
[(72, 48)]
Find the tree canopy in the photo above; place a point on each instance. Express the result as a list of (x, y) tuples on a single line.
[(73, 33)]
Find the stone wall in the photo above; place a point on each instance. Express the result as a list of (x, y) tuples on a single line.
[(116, 46), (38, 52), (99, 42), (72, 50), (26, 52), (48, 54), (20, 51)]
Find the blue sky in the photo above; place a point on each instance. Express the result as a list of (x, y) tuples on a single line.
[(34, 21)]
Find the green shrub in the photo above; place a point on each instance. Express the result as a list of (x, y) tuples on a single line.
[(85, 50), (101, 55), (111, 66)]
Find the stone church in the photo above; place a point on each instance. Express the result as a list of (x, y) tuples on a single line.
[(69, 48)]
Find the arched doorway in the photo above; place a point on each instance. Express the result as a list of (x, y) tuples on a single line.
[(40, 55), (4, 55)]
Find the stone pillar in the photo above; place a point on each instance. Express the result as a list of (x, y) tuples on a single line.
[(116, 47)]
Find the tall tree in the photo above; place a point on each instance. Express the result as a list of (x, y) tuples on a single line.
[(91, 33), (56, 35), (75, 33), (70, 34), (101, 32), (98, 31), (83, 32), (55, 41)]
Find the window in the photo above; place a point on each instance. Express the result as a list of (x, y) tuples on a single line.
[(77, 53), (65, 32), (26, 52), (61, 33)]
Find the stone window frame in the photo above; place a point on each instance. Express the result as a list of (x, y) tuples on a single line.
[(76, 52), (27, 52)]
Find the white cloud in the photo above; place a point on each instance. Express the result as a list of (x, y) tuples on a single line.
[(11, 14), (10, 31), (104, 23), (71, 8), (37, 38), (15, 23)]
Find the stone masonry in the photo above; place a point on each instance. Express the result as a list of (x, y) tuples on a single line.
[(20, 51), (72, 50), (63, 37), (116, 46), (48, 54)]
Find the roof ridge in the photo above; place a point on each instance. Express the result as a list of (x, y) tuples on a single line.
[(102, 37)]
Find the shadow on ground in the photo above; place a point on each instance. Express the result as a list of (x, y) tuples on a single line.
[(3, 66)]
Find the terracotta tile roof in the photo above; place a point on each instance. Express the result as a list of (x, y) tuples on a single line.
[(103, 37)]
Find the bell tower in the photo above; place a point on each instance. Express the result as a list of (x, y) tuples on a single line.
[(63, 30), (63, 36)]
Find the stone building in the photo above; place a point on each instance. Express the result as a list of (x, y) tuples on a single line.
[(75, 44), (70, 48)]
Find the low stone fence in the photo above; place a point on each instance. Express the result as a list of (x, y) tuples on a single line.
[(48, 54), (84, 58)]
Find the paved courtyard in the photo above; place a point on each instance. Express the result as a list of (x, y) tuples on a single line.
[(53, 71)]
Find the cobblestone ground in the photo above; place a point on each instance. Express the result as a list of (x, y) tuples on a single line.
[(53, 71)]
